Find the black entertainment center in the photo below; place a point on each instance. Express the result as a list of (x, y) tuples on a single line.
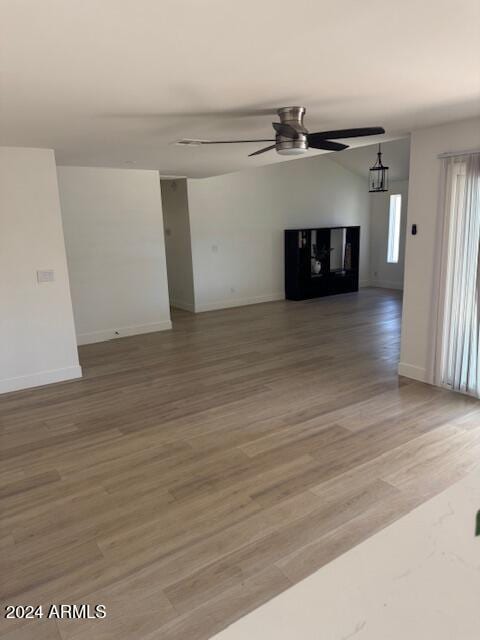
[(321, 261)]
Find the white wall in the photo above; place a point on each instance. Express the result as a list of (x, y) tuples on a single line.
[(384, 274), (115, 249), (237, 224), (177, 243), (419, 307), (37, 334)]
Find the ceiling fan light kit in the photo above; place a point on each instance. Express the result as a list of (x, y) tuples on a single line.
[(292, 137), (291, 151)]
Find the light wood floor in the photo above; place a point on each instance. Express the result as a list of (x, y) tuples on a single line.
[(194, 474)]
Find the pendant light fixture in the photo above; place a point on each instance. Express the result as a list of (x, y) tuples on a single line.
[(378, 175)]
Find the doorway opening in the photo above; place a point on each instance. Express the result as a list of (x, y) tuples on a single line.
[(178, 246)]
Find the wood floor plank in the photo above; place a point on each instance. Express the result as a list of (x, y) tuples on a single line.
[(202, 550), (251, 558), (303, 561), (33, 630), (29, 483), (135, 608)]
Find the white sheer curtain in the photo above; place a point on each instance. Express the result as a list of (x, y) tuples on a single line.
[(458, 339)]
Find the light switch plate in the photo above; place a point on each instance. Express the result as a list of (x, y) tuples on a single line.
[(45, 276)]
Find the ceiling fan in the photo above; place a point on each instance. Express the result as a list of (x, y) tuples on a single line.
[(292, 138)]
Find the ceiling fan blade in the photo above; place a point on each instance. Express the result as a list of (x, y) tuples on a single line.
[(285, 130), (256, 153), (348, 133), (194, 142), (327, 145)]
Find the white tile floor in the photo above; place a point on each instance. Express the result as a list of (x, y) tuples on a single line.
[(418, 579)]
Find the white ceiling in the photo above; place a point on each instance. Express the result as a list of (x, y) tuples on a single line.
[(396, 156), (109, 82)]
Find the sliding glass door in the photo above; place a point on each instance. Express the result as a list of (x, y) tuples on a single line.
[(458, 349)]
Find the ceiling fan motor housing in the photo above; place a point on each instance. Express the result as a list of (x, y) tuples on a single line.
[(292, 116)]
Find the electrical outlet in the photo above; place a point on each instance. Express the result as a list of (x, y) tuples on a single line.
[(45, 276)]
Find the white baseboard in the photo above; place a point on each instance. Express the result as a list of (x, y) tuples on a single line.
[(412, 371), (385, 284), (40, 378), (364, 283), (122, 332), (238, 302)]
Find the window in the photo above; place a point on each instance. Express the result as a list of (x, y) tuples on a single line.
[(394, 228)]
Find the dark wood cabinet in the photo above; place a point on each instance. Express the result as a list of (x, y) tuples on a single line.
[(321, 261)]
